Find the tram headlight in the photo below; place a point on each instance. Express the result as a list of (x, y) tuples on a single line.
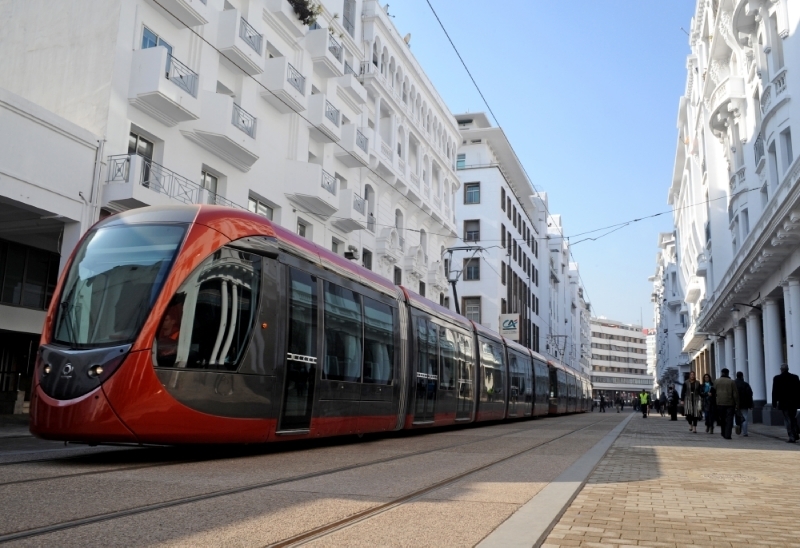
[(95, 371), (47, 369)]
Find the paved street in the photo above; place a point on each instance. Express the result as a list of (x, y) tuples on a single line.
[(660, 485)]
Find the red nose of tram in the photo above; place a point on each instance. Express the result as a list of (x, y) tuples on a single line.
[(115, 314)]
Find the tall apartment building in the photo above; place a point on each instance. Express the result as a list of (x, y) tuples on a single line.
[(332, 130), (503, 219), (738, 256), (619, 359)]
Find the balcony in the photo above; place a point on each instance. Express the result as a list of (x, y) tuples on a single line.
[(134, 181), (326, 52), (313, 188), (163, 87), (325, 119), (226, 130), (240, 43), (774, 95), (287, 87), (352, 214), (191, 13), (436, 277), (416, 263), (349, 83), (284, 12), (389, 246), (730, 89), (354, 151)]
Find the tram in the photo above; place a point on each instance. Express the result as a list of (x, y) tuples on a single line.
[(205, 324)]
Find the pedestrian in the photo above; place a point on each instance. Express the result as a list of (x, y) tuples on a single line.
[(618, 404), (745, 404), (673, 403), (657, 404), (602, 403), (692, 400), (644, 398), (785, 396), (662, 400), (727, 402), (709, 403)]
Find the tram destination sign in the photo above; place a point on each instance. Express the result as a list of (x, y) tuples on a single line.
[(509, 326)]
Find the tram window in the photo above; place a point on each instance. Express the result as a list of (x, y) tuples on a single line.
[(447, 353), (492, 365), (465, 362), (427, 345), (378, 342), (343, 334), (208, 322)]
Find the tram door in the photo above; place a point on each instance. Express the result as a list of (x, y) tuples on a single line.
[(466, 361), (301, 352), (427, 381)]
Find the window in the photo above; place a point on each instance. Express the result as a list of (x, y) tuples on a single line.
[(378, 342), (220, 300), (508, 207), (302, 228), (446, 302), (472, 269), (503, 273), (398, 276), (342, 334), (786, 148), (260, 208), (447, 358), (28, 275), (472, 231), (366, 259), (422, 288), (150, 40), (461, 161), (503, 235), (472, 308), (141, 146), (335, 244), (503, 306), (472, 193)]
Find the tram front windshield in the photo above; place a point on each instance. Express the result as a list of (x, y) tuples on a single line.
[(113, 282)]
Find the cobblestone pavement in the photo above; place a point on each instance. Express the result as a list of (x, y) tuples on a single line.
[(660, 485)]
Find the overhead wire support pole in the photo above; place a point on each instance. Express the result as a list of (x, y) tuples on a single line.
[(454, 279)]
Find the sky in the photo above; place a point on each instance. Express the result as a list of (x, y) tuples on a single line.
[(588, 97)]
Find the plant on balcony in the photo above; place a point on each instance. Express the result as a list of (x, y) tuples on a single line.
[(307, 11)]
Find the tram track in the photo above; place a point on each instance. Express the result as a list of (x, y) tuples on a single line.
[(369, 513), (299, 539)]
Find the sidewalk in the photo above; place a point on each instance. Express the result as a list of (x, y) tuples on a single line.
[(660, 485)]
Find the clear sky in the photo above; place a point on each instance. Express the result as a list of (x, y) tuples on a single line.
[(587, 93)]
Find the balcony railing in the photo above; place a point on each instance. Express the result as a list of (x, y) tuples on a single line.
[(297, 80), (332, 113), (386, 150), (362, 141), (334, 47), (779, 82), (758, 148), (244, 120), (415, 179), (359, 203), (329, 182), (348, 69), (401, 164), (251, 37), (766, 99), (181, 75)]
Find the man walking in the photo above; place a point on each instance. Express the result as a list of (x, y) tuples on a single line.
[(644, 399), (785, 395), (673, 403), (745, 403), (727, 402), (662, 400), (602, 403)]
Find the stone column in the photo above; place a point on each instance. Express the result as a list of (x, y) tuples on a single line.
[(740, 338), (730, 358), (719, 356), (773, 354), (755, 359), (788, 310), (794, 301)]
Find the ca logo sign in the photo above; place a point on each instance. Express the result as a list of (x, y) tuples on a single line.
[(509, 324)]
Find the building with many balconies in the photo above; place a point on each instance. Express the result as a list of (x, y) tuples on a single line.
[(332, 130), (738, 252)]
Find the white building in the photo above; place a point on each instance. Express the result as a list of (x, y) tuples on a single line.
[(738, 256), (651, 357), (332, 130), (670, 316), (503, 219), (619, 359)]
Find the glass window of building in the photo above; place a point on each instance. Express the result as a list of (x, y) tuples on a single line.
[(472, 193)]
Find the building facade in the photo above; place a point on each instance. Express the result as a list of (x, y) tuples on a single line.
[(330, 129), (619, 360), (738, 254)]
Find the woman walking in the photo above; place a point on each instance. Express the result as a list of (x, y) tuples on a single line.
[(692, 400), (709, 403)]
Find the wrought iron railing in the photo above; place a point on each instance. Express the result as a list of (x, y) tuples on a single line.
[(359, 203), (758, 148), (297, 80), (332, 113), (329, 182), (244, 120), (348, 69), (362, 141), (181, 75), (334, 47), (251, 37)]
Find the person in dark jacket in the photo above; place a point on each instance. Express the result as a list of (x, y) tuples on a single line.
[(745, 404), (662, 400), (785, 396), (709, 403), (727, 402), (673, 403), (692, 399)]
